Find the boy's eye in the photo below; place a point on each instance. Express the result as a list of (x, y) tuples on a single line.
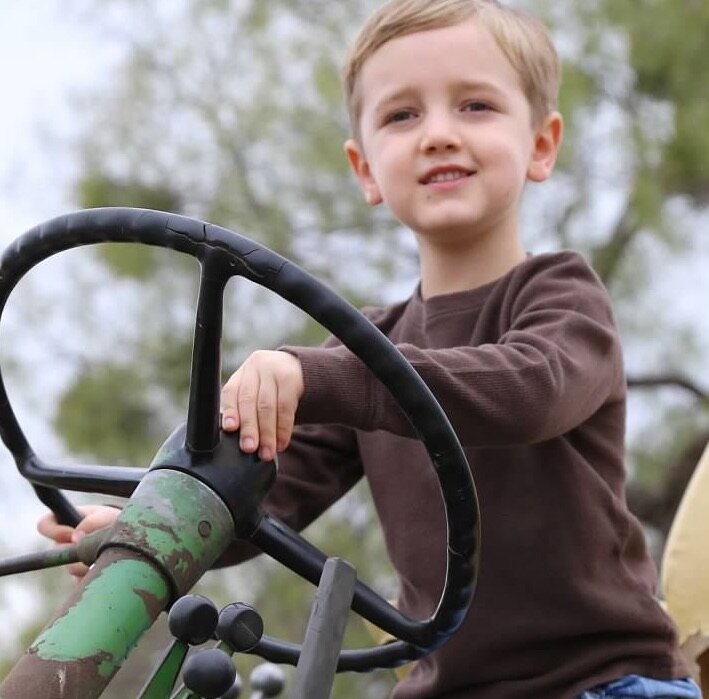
[(399, 115), (476, 106)]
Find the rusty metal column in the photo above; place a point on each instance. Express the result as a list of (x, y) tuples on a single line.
[(171, 531)]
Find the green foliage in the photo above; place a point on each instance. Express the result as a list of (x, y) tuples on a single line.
[(646, 202), (168, 358), (128, 260), (263, 160), (666, 38), (97, 190), (326, 79), (668, 54), (685, 157), (105, 414), (258, 17), (578, 88), (310, 334)]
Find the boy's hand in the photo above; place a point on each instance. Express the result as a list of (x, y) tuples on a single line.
[(261, 398), (95, 517)]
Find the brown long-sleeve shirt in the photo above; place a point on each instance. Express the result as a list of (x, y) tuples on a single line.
[(529, 370)]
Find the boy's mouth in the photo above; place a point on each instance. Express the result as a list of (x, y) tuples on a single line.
[(445, 173)]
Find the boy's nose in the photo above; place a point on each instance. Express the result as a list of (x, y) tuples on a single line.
[(439, 134)]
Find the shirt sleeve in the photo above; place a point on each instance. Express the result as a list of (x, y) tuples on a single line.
[(556, 363)]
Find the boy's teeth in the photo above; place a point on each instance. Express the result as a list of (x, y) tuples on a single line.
[(446, 176)]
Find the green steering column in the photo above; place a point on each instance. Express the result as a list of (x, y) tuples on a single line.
[(172, 530)]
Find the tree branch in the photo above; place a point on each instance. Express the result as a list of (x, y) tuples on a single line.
[(656, 506), (662, 380), (607, 258)]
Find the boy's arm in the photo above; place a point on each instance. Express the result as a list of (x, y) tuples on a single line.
[(260, 400), (558, 362)]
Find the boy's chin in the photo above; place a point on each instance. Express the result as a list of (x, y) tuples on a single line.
[(451, 232)]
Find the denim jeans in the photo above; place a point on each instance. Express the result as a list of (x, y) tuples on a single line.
[(635, 687)]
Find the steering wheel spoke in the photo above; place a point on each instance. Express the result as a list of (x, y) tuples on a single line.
[(202, 434), (120, 481), (285, 545)]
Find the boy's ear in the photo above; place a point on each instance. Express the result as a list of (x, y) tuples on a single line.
[(362, 172), (547, 141)]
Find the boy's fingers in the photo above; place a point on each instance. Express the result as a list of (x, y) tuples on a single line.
[(266, 412), (246, 406), (47, 523), (61, 533), (286, 419), (260, 400), (95, 517), (78, 570), (99, 518), (229, 403)]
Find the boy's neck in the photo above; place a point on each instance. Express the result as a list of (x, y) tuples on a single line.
[(448, 268)]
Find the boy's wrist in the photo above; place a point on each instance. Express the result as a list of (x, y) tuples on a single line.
[(337, 386)]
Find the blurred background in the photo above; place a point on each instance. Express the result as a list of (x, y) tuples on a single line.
[(231, 111)]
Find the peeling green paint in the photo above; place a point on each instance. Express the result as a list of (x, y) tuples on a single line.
[(178, 522), (171, 531), (79, 634)]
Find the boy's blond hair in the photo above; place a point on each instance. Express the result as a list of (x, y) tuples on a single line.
[(523, 39)]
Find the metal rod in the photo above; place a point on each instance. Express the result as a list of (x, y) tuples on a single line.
[(316, 668), (85, 552), (39, 561)]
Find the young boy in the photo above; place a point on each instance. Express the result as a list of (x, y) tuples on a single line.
[(452, 104)]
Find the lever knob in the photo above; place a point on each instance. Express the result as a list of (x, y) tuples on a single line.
[(240, 627), (268, 679), (193, 619), (209, 673), (235, 691)]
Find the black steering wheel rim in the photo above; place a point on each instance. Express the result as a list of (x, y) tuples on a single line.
[(235, 255)]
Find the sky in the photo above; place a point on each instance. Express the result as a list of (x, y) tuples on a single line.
[(45, 57)]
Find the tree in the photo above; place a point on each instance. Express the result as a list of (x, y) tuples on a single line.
[(667, 196), (230, 111)]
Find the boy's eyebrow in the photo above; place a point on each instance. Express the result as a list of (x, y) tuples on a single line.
[(408, 91), (395, 96), (485, 85)]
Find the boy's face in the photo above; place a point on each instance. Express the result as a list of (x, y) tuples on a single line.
[(446, 136)]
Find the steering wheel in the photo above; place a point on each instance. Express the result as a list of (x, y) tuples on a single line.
[(200, 451)]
